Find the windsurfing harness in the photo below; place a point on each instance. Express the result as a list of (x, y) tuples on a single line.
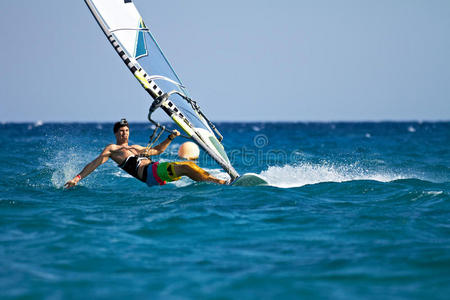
[(131, 166)]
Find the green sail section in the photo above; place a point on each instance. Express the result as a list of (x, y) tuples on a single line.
[(220, 149)]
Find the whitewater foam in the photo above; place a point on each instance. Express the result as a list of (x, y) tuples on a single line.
[(289, 176)]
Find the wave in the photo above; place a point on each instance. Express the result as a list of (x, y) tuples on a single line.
[(290, 176)]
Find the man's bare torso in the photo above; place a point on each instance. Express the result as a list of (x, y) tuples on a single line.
[(119, 153)]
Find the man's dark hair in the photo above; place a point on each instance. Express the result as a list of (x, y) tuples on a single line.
[(120, 124)]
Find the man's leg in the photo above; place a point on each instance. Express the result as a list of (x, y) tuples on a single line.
[(191, 170)]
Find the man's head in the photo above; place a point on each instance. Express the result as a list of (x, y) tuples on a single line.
[(121, 130), (118, 125)]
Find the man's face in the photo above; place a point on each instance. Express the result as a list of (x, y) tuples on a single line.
[(123, 133)]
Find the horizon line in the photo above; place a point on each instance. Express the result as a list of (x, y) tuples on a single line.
[(236, 121)]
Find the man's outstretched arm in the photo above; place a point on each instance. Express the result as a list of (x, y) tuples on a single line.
[(163, 146), (157, 150), (90, 167)]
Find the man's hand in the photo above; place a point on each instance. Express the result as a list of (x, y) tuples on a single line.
[(73, 182), (174, 134)]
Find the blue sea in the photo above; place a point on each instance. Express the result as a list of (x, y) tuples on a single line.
[(352, 211)]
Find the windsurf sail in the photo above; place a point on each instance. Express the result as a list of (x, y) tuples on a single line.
[(131, 38)]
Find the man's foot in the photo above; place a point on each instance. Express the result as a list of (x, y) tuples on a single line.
[(220, 181)]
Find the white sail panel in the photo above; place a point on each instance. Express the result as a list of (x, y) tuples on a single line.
[(122, 19)]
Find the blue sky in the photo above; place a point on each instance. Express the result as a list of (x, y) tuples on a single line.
[(317, 60)]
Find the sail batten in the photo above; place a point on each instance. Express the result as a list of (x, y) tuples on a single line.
[(139, 50)]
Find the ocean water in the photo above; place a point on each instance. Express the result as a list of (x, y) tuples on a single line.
[(353, 211)]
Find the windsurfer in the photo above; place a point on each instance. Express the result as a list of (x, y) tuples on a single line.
[(130, 159)]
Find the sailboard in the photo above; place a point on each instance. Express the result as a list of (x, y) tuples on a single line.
[(125, 29), (249, 179)]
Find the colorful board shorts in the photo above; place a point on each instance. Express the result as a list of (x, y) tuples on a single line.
[(161, 173)]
